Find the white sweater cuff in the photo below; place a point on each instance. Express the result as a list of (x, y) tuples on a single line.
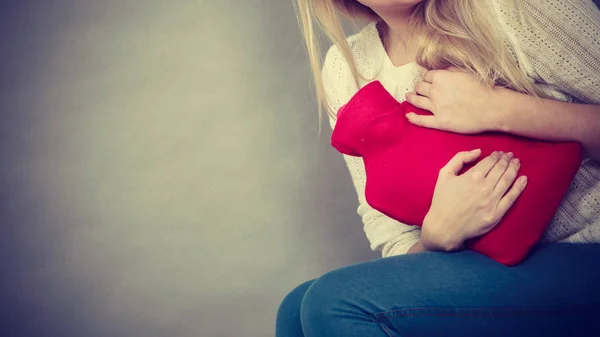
[(402, 244)]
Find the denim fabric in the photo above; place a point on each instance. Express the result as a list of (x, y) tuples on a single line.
[(554, 292)]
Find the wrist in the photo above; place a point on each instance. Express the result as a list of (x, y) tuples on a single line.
[(442, 244), (503, 102), (446, 241), (417, 248)]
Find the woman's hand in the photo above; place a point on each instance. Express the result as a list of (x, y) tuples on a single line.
[(471, 204), (459, 102)]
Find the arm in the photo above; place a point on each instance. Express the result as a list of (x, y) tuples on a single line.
[(560, 46), (384, 233), (550, 120), (417, 248)]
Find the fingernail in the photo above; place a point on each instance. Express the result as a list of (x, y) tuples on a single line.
[(476, 151), (523, 180), (500, 152), (510, 155), (517, 161)]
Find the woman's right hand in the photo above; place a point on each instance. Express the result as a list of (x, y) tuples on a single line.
[(471, 204)]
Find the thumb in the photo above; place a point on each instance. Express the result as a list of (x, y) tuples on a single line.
[(424, 121), (459, 160)]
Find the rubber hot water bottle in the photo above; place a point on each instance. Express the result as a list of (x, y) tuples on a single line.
[(402, 162)]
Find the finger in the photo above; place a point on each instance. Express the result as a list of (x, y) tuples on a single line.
[(507, 178), (485, 165), (459, 160), (498, 170), (423, 88), (419, 101), (425, 121), (512, 195)]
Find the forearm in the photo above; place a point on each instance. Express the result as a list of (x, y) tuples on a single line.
[(550, 120), (420, 246), (417, 248)]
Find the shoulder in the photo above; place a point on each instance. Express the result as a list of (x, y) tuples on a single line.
[(360, 41), (559, 43), (581, 16), (550, 7), (339, 82), (366, 52), (560, 7)]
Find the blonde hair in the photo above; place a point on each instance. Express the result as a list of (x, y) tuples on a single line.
[(454, 33)]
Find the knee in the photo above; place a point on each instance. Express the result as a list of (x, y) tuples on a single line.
[(324, 300), (288, 314)]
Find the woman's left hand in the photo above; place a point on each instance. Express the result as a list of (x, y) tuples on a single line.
[(458, 101)]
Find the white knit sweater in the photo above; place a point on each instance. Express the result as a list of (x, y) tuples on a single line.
[(562, 55)]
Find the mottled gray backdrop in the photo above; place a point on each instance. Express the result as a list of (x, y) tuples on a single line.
[(161, 169)]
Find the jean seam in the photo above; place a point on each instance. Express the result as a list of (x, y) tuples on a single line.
[(388, 331), (497, 311)]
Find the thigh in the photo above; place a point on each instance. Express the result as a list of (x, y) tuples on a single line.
[(287, 323), (553, 293)]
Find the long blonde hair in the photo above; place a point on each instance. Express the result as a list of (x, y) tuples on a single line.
[(454, 33)]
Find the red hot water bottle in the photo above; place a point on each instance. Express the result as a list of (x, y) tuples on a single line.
[(402, 162)]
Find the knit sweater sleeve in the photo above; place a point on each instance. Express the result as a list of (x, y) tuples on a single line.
[(560, 45), (384, 233)]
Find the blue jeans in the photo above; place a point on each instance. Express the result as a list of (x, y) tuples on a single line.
[(554, 292)]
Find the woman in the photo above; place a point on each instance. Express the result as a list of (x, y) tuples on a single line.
[(530, 67)]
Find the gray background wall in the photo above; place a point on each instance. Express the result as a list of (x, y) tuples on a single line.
[(161, 172)]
